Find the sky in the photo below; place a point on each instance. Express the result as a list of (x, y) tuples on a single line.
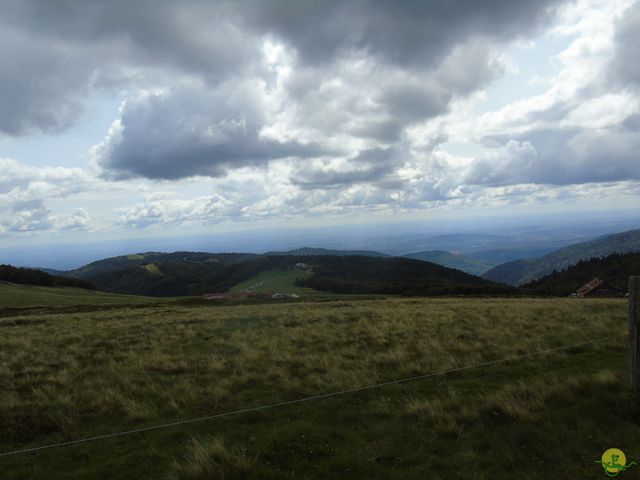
[(142, 119)]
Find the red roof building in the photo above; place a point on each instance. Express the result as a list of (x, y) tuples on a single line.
[(599, 288)]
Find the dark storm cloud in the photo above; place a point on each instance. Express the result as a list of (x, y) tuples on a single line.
[(40, 89), (421, 55), (188, 37), (193, 131), (409, 33), (625, 65), (55, 53)]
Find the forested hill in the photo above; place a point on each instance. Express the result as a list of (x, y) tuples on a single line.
[(394, 275), (114, 264), (168, 274), (185, 273), (614, 269), (31, 276), (523, 271)]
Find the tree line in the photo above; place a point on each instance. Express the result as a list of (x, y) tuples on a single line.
[(32, 276)]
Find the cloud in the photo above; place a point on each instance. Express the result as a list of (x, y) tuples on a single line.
[(35, 218), (416, 34), (560, 156), (582, 130), (339, 77), (366, 166), (242, 111), (144, 215), (203, 210), (505, 165), (625, 67), (79, 220), (59, 55), (43, 86), (192, 130), (26, 195), (22, 183)]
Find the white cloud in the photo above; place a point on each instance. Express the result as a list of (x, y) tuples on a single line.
[(318, 110)]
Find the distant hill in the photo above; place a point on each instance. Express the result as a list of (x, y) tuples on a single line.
[(523, 271), (188, 273), (614, 269), (134, 260), (394, 275), (324, 251), (165, 274), (452, 260), (496, 257), (31, 276)]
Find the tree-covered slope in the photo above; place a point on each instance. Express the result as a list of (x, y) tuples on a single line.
[(614, 269), (192, 274), (31, 276), (134, 260), (394, 275), (523, 271)]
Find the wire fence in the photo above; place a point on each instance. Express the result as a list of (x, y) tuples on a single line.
[(304, 399)]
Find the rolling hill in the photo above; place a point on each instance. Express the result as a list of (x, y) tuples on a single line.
[(160, 274), (187, 273), (520, 272), (138, 259), (393, 275), (31, 276)]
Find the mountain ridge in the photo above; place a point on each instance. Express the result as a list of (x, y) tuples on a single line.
[(451, 260), (523, 271), (193, 273)]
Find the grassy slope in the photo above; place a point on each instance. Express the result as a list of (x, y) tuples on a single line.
[(14, 295), (75, 375), (277, 280)]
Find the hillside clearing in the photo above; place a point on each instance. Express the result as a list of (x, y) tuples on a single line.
[(276, 280), (76, 375)]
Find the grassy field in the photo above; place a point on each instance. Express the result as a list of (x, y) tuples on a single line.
[(68, 376), (19, 296), (281, 281)]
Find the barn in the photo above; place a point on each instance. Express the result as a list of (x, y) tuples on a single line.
[(599, 288)]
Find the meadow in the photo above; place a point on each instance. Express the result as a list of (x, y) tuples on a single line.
[(13, 295), (70, 375), (276, 280)]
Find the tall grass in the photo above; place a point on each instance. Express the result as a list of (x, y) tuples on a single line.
[(65, 376)]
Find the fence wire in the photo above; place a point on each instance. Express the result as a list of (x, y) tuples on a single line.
[(304, 399)]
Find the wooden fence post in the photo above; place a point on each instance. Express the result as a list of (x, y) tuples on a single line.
[(634, 326)]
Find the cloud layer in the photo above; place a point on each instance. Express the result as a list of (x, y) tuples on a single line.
[(250, 109)]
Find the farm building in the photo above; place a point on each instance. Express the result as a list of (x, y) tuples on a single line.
[(599, 288)]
